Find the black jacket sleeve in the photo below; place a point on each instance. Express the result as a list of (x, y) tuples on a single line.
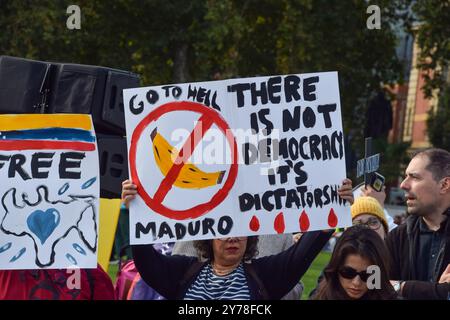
[(281, 272), (162, 273), (422, 290), (393, 245)]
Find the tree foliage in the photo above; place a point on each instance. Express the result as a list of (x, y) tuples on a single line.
[(431, 23), (200, 40)]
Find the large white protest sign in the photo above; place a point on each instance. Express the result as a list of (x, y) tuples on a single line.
[(49, 191), (235, 157)]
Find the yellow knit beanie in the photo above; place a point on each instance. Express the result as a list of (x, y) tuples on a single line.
[(369, 205)]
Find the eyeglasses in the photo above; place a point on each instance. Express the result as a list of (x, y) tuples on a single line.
[(372, 223), (232, 238), (350, 273)]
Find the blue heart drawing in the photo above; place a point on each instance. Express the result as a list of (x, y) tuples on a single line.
[(43, 223)]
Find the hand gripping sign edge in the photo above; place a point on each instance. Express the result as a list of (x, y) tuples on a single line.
[(221, 194)]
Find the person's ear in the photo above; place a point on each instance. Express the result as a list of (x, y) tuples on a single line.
[(445, 185)]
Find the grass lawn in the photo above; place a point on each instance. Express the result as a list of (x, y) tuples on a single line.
[(310, 278), (112, 271)]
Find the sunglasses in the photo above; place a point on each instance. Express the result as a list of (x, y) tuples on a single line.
[(232, 238), (350, 273)]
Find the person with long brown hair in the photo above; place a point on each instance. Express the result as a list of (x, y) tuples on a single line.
[(347, 275)]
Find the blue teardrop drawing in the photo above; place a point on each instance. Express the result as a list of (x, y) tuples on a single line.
[(88, 183), (71, 259), (18, 255), (63, 188), (5, 247), (43, 223), (79, 249)]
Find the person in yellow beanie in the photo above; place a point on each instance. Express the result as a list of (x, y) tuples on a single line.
[(368, 211)]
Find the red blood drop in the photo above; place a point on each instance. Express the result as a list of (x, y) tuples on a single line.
[(254, 224), (278, 224), (304, 222), (332, 219)]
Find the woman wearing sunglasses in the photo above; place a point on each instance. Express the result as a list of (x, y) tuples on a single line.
[(347, 274), (229, 270)]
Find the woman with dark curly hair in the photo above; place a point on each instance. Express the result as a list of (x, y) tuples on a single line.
[(205, 248), (347, 274), (229, 270)]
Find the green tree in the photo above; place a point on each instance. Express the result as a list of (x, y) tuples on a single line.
[(197, 40), (280, 37), (431, 23)]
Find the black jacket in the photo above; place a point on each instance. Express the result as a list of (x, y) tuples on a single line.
[(274, 275), (403, 244)]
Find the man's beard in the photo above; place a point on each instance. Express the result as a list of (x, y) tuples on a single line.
[(422, 210)]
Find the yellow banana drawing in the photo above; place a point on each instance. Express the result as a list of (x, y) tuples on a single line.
[(190, 176)]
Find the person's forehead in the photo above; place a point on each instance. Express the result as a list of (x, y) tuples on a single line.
[(418, 164), (356, 260), (365, 216)]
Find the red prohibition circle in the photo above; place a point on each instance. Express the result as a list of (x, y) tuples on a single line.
[(220, 195)]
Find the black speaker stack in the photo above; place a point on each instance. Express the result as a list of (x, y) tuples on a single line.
[(29, 86)]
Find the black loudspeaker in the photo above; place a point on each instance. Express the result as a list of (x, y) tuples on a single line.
[(94, 90), (112, 152), (28, 86), (22, 84)]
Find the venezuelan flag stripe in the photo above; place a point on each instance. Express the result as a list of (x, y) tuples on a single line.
[(9, 122), (19, 145), (65, 134)]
